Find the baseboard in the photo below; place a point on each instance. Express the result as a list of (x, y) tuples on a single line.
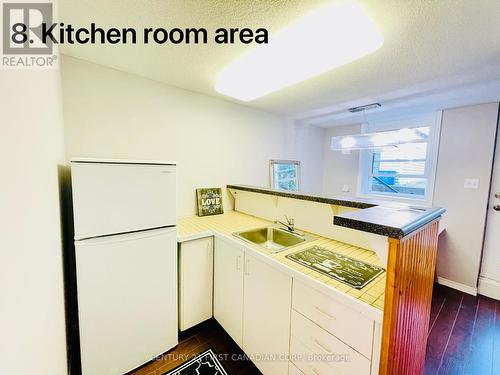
[(489, 288), (458, 286)]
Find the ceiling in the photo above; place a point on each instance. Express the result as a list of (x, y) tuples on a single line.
[(430, 47)]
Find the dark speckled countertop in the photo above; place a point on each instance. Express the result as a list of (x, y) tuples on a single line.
[(394, 220)]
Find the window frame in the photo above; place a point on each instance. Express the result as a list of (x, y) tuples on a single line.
[(272, 162), (433, 120)]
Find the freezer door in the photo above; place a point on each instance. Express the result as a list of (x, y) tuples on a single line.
[(127, 299), (118, 198)]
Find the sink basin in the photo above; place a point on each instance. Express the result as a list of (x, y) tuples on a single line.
[(273, 238)]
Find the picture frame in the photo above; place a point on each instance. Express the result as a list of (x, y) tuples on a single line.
[(209, 201)]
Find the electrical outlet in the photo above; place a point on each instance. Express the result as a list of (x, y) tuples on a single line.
[(345, 188), (471, 183)]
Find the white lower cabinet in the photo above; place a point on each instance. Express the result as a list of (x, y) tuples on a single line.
[(195, 281), (266, 316), (252, 302), (309, 334), (228, 288)]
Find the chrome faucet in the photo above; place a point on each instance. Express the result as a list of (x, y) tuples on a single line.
[(290, 223)]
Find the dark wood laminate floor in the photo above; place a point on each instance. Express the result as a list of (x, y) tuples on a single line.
[(208, 335), (464, 334)]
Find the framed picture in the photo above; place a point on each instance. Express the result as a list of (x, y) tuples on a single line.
[(209, 201)]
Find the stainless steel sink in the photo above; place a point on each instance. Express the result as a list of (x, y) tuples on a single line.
[(273, 238)]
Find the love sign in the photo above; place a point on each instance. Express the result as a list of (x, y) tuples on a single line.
[(209, 201)]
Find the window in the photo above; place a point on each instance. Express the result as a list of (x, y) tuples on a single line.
[(285, 174), (406, 170)]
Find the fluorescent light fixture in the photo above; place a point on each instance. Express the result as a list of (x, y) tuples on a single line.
[(378, 140), (328, 37)]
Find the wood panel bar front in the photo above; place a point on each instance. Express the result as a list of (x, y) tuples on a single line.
[(408, 294)]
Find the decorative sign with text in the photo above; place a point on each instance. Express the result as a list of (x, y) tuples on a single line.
[(209, 201)]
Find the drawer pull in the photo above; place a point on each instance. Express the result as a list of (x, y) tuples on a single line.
[(324, 313), (321, 346), (238, 263)]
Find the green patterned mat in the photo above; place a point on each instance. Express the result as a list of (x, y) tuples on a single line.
[(345, 269)]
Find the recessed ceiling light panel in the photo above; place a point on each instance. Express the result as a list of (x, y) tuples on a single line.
[(328, 37)]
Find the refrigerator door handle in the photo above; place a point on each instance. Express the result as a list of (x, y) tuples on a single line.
[(114, 238)]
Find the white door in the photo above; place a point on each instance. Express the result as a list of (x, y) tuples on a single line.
[(266, 316), (490, 267), (196, 266), (228, 288), (127, 299), (110, 198)]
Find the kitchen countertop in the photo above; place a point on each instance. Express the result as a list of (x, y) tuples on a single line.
[(224, 225), (391, 219)]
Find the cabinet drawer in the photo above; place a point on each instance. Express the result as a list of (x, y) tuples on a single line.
[(346, 324), (317, 352)]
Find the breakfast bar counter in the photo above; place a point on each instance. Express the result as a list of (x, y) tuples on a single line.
[(386, 218)]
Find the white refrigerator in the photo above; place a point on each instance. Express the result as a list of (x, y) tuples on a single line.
[(126, 262)]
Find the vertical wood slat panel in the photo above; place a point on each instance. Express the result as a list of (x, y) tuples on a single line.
[(408, 296)]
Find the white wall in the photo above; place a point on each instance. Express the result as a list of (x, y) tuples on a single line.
[(113, 114), (306, 143), (340, 168), (32, 327), (465, 151)]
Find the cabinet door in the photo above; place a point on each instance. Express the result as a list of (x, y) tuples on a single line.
[(195, 281), (266, 316), (228, 288)]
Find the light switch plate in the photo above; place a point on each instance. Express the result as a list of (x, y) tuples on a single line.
[(345, 188), (471, 183)]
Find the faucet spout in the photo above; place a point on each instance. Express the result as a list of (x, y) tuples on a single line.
[(290, 223)]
